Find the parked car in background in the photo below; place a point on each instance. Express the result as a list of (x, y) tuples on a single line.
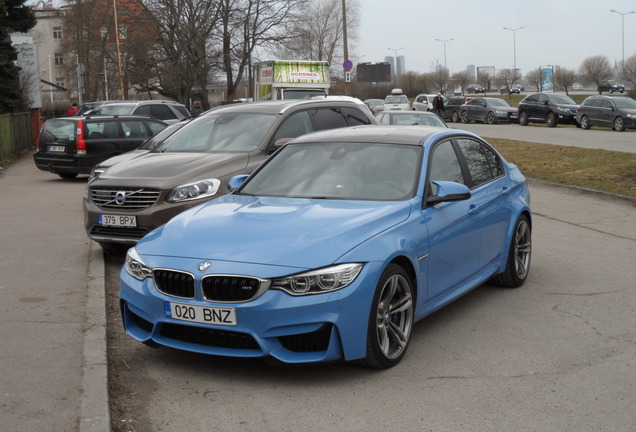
[(548, 108), (396, 102), (69, 146), (452, 106), (513, 89), (611, 86), (616, 112), (375, 105), (410, 118), (89, 106), (335, 259), (193, 165), (489, 110), (148, 145), (167, 111), (475, 88), (423, 102)]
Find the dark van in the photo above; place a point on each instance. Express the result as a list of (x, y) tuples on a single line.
[(69, 146)]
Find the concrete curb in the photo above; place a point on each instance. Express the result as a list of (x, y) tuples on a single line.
[(94, 410)]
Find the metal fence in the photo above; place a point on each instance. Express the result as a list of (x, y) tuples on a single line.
[(16, 135)]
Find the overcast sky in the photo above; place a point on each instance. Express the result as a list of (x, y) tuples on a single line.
[(555, 32)]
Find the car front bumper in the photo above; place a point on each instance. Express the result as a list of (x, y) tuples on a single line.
[(290, 329)]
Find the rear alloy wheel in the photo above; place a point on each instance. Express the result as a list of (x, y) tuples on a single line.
[(519, 255), (551, 120), (523, 118), (619, 124), (490, 118), (464, 116), (390, 319), (585, 122)]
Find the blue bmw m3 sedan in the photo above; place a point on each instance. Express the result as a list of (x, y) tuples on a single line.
[(333, 248)]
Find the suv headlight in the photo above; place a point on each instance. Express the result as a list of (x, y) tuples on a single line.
[(96, 172), (319, 281), (135, 265), (194, 190)]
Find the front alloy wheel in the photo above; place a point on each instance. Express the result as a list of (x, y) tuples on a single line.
[(551, 120), (619, 124), (390, 319), (523, 118), (519, 255), (464, 116), (490, 118)]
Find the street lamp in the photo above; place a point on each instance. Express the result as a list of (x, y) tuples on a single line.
[(622, 14), (395, 50), (444, 42), (514, 44)]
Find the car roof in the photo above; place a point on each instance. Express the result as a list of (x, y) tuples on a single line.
[(106, 117), (410, 135), (140, 102), (281, 106)]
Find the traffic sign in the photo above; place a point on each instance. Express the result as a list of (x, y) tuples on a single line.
[(347, 65)]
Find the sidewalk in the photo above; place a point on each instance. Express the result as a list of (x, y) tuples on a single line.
[(53, 373)]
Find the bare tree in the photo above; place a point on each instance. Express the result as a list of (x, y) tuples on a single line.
[(484, 78), (564, 78), (316, 32), (596, 69), (507, 77), (534, 79), (441, 80), (408, 82), (245, 25), (461, 79), (628, 71)]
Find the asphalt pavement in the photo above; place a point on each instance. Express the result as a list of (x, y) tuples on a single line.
[(53, 374)]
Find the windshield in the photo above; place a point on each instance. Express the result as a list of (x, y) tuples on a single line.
[(358, 171), (498, 103), (561, 99), (625, 103), (157, 139), (401, 99), (220, 132)]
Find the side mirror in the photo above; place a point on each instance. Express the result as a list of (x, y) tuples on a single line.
[(448, 191), (236, 182)]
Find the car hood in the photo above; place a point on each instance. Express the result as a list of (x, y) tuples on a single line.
[(302, 233), (121, 157), (171, 168)]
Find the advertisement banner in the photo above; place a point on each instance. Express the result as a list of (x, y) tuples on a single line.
[(547, 79)]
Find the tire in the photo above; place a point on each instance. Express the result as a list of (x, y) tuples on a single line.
[(551, 120), (67, 176), (390, 319), (619, 124), (455, 117), (585, 122), (490, 118), (523, 118), (519, 256), (464, 117)]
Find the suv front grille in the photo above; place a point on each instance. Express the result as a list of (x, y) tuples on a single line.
[(124, 198)]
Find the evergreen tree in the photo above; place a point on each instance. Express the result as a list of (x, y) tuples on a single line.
[(14, 17)]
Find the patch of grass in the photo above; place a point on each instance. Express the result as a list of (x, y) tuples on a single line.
[(603, 170)]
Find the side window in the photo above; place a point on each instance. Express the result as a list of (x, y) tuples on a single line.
[(162, 112), (385, 119), (445, 164), (532, 98), (97, 130), (294, 126), (156, 127), (134, 129), (355, 117), (483, 163), (606, 103), (329, 118), (143, 110)]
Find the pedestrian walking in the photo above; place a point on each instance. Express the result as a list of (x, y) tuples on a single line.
[(438, 104)]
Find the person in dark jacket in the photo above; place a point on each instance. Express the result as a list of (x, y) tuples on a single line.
[(438, 104)]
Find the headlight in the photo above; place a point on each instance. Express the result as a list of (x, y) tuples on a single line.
[(194, 190), (631, 115), (96, 172), (564, 110), (135, 266), (319, 281)]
